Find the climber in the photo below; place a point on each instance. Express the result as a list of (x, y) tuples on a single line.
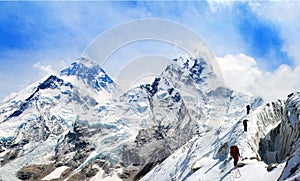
[(234, 152), (245, 125), (248, 108)]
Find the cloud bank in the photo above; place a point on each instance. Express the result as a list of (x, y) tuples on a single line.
[(241, 73)]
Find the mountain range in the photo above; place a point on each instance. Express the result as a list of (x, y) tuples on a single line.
[(78, 125)]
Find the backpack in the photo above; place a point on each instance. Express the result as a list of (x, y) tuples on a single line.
[(234, 151)]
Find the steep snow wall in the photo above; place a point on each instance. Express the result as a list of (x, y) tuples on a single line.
[(272, 136), (282, 143)]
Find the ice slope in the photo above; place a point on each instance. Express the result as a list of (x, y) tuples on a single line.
[(289, 138), (207, 157)]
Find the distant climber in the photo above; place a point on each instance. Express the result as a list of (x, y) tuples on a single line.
[(234, 152), (245, 125), (248, 108)]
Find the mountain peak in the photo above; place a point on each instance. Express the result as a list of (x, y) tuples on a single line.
[(80, 66), (90, 73), (85, 61), (193, 73)]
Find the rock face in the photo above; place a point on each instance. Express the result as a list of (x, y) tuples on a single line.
[(34, 172), (74, 148), (172, 126)]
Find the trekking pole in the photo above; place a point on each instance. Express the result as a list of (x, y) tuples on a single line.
[(238, 173)]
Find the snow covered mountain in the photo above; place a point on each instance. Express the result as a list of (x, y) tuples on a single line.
[(72, 126), (269, 149), (65, 121), (35, 119)]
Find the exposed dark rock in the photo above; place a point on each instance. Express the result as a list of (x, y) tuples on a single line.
[(176, 97), (52, 82), (11, 155), (34, 172), (271, 166), (75, 141), (124, 175), (92, 172), (25, 175)]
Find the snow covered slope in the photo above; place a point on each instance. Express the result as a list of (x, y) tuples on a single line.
[(272, 140)]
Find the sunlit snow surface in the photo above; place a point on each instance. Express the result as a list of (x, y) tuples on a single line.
[(55, 174)]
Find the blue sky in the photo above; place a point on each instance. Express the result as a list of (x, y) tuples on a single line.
[(37, 38)]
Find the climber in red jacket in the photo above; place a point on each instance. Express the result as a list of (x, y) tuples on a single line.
[(234, 152)]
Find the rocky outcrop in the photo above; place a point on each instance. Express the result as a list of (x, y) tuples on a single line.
[(74, 148), (34, 172)]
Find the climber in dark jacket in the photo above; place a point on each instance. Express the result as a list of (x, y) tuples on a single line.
[(248, 109), (245, 125)]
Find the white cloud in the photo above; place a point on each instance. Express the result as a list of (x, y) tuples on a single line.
[(285, 15), (242, 73), (219, 5), (44, 69)]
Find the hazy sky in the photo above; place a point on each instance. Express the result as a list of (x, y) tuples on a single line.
[(256, 43)]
